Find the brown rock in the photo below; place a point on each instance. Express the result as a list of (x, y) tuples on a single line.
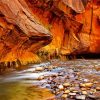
[(80, 97), (66, 84), (72, 94), (64, 96), (93, 90), (87, 85), (20, 32), (39, 68), (98, 88), (83, 89), (66, 91), (40, 77), (84, 92), (60, 87), (75, 91), (82, 85)]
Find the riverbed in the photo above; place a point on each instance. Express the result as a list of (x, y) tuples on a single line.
[(41, 81)]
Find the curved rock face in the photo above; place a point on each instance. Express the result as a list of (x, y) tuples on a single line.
[(18, 13), (72, 37), (21, 33), (61, 23), (89, 36), (28, 25)]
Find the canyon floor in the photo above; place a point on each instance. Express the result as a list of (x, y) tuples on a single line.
[(54, 80)]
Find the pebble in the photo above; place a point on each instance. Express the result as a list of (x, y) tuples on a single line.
[(39, 68), (95, 82), (93, 90), (50, 67), (66, 84), (98, 88), (78, 73), (88, 84), (64, 96), (84, 92), (48, 86), (60, 87), (92, 97), (82, 85), (72, 94), (80, 97), (83, 89), (72, 89), (75, 91), (54, 75), (40, 77), (66, 91), (61, 74), (85, 80)]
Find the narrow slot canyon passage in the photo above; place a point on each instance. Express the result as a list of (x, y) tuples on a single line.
[(49, 50)]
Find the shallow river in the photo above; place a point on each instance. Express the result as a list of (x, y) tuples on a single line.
[(24, 84)]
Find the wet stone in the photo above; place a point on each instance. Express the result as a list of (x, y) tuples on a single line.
[(60, 87), (66, 84), (83, 89), (39, 68), (92, 97), (88, 84), (82, 85), (93, 90), (61, 74), (84, 92), (66, 91), (85, 80), (64, 96), (75, 91), (72, 94), (72, 89), (95, 82), (50, 67), (40, 77), (98, 88), (80, 97), (48, 86)]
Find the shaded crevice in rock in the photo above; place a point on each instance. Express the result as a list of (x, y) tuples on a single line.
[(20, 32), (52, 16)]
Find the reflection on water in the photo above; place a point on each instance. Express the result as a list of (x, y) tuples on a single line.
[(18, 91), (21, 85)]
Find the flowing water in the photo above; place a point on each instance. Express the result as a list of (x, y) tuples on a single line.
[(24, 84)]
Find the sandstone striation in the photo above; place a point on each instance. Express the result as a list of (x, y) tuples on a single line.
[(26, 26)]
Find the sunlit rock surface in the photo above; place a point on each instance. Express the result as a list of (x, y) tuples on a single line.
[(21, 34), (75, 37), (28, 25), (90, 37)]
